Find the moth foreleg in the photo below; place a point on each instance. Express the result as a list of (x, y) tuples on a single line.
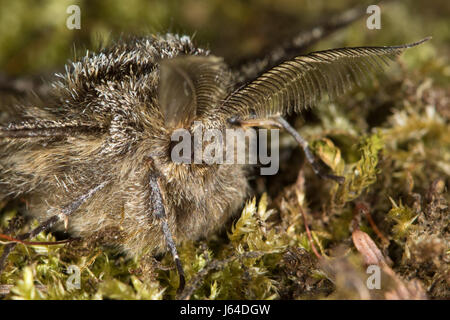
[(280, 122), (160, 212), (315, 164)]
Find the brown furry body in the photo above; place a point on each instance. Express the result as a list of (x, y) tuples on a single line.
[(110, 119), (107, 108)]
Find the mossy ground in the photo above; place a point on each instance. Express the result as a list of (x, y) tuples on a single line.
[(391, 141)]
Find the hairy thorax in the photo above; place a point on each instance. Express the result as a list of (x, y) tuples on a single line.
[(113, 131)]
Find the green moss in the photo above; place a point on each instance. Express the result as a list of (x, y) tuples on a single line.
[(403, 217), (360, 175)]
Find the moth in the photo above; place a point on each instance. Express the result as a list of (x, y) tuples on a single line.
[(94, 156)]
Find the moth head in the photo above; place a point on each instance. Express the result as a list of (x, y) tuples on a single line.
[(190, 90)]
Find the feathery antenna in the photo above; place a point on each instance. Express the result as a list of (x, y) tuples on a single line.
[(299, 83)]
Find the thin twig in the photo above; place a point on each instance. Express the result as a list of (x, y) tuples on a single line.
[(299, 186), (34, 243)]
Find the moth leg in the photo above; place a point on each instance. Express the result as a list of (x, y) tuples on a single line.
[(315, 164), (65, 212), (160, 213), (280, 122)]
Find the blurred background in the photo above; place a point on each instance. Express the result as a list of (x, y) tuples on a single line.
[(34, 38)]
